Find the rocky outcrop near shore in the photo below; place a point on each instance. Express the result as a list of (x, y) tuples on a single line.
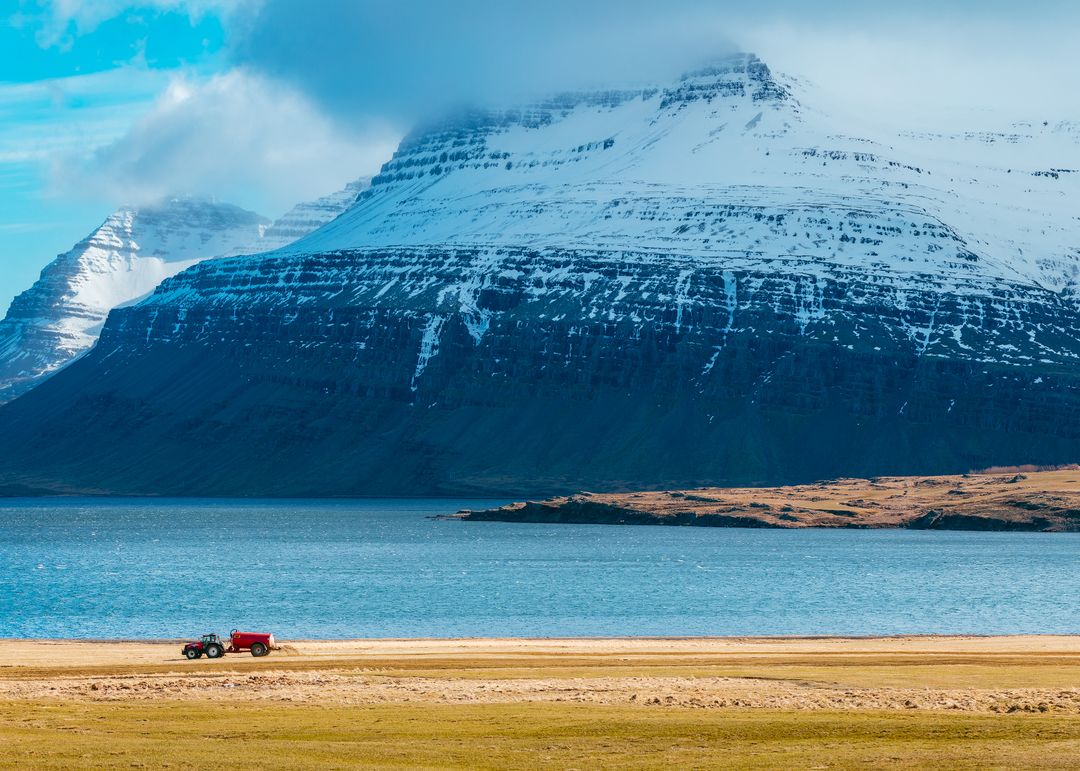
[(1041, 501)]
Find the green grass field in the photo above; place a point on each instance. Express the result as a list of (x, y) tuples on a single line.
[(248, 736)]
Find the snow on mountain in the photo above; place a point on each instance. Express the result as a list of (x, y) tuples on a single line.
[(311, 215), (726, 171), (60, 317), (690, 167), (703, 282)]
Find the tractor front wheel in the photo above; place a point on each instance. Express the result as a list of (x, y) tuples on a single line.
[(214, 651), (192, 653), (258, 649)]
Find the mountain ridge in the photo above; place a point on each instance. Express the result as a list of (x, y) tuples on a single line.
[(672, 287)]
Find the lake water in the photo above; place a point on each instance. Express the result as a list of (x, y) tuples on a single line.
[(332, 569)]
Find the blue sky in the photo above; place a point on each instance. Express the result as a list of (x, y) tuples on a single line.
[(265, 103), (70, 93), (89, 87)]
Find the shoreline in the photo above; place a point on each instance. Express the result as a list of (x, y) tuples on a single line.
[(586, 638), (64, 654)]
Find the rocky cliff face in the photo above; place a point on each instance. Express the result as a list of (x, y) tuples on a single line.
[(702, 283)]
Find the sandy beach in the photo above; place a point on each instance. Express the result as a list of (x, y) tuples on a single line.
[(72, 691), (974, 674)]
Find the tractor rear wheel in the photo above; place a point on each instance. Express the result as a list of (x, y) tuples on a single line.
[(192, 653), (214, 651), (258, 649)]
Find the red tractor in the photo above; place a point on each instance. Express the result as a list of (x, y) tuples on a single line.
[(259, 643)]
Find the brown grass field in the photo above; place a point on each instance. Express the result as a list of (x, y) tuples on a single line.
[(919, 702)]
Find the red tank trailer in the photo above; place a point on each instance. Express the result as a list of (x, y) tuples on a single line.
[(258, 643)]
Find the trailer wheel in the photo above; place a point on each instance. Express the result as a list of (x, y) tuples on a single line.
[(214, 651), (258, 649), (192, 653)]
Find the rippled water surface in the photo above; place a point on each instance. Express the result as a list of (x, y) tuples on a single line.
[(162, 568)]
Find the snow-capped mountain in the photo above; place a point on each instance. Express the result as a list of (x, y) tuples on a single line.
[(128, 255), (703, 282), (311, 215), (60, 316)]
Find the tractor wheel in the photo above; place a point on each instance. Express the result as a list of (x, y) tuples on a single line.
[(258, 649), (214, 651), (192, 653)]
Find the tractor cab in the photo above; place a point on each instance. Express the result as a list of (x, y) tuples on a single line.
[(209, 644)]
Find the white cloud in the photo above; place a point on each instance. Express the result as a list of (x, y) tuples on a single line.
[(413, 58), (913, 73), (409, 56), (284, 127), (238, 137)]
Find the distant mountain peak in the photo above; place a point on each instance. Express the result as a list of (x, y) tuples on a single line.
[(126, 257), (730, 64), (737, 75), (311, 215)]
